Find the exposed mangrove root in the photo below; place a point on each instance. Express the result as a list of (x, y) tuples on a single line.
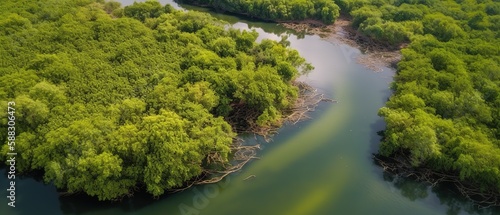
[(243, 119), (308, 100), (400, 166), (242, 155)]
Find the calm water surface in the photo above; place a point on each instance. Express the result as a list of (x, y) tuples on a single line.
[(322, 166)]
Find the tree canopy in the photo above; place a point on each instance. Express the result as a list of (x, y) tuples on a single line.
[(445, 111), (111, 99), (283, 10), (399, 21)]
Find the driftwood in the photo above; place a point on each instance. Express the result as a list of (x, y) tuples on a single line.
[(249, 177)]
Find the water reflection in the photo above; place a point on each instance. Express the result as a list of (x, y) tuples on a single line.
[(447, 195), (410, 189), (442, 199), (83, 204)]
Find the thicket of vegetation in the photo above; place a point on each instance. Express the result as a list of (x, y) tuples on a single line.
[(110, 100), (397, 21), (284, 10), (445, 111)]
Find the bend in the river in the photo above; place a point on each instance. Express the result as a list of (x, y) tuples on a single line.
[(321, 166)]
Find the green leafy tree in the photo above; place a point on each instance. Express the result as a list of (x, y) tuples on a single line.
[(443, 27), (96, 116)]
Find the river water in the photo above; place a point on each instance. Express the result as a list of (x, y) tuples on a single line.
[(321, 166)]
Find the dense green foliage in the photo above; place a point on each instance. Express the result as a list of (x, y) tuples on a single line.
[(445, 112), (106, 104), (324, 10), (397, 21)]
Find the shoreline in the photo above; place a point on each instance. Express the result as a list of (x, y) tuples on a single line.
[(400, 166), (375, 55)]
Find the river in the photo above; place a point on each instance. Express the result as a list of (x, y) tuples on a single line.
[(321, 166)]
